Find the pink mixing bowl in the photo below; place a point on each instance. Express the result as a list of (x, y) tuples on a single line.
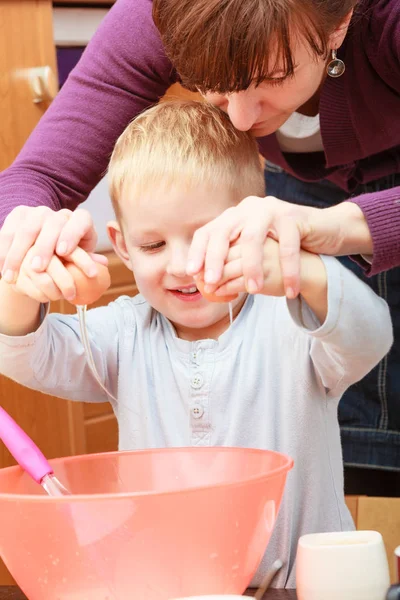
[(149, 525)]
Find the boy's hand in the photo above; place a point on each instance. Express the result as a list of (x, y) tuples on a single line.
[(43, 232), (233, 279), (56, 282), (313, 279)]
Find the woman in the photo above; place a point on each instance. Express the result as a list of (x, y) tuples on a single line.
[(317, 83)]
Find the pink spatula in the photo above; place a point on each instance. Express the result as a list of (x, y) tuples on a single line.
[(28, 456)]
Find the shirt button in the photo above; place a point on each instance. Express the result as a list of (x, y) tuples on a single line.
[(196, 355), (197, 411), (197, 381)]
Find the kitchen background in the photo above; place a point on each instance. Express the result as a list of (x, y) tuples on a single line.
[(37, 36)]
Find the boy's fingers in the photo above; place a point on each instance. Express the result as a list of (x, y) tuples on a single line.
[(78, 231), (288, 235), (232, 287), (62, 278), (235, 252), (83, 261), (25, 286), (44, 246), (232, 270), (101, 259), (46, 284)]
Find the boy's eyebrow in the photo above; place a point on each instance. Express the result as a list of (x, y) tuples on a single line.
[(143, 233)]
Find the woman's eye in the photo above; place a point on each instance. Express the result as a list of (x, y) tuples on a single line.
[(152, 247), (276, 81)]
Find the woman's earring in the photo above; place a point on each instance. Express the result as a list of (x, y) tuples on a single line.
[(335, 67)]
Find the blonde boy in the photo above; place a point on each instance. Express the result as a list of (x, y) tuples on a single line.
[(182, 376)]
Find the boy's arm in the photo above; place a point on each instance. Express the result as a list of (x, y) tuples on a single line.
[(314, 284), (19, 314), (356, 333), (52, 359)]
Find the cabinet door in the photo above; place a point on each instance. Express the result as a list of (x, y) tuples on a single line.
[(26, 43)]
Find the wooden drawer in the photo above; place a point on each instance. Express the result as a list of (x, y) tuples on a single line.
[(91, 411), (101, 434), (115, 292), (120, 274), (378, 514)]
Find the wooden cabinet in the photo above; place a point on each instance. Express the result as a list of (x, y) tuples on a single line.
[(26, 43)]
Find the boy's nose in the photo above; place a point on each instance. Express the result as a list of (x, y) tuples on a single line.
[(177, 266)]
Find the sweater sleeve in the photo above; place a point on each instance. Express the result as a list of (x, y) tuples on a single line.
[(382, 212), (381, 42), (122, 71), (357, 332), (52, 359)]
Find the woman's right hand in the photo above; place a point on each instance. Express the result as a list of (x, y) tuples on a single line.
[(44, 232)]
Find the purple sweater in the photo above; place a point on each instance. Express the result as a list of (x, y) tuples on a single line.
[(124, 70)]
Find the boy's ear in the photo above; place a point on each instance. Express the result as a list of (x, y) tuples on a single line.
[(117, 239)]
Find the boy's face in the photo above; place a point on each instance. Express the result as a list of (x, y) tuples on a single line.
[(157, 232)]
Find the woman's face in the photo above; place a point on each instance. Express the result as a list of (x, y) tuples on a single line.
[(263, 109)]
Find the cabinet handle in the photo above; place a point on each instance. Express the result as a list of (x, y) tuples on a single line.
[(43, 84)]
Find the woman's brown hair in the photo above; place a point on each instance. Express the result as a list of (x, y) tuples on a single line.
[(225, 45)]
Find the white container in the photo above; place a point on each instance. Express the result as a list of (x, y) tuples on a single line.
[(349, 565)]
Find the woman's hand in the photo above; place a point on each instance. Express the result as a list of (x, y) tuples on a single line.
[(336, 231), (43, 232), (57, 282)]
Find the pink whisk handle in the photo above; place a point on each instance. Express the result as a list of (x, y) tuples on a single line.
[(23, 449)]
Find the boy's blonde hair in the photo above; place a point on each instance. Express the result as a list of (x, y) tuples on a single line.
[(186, 142)]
